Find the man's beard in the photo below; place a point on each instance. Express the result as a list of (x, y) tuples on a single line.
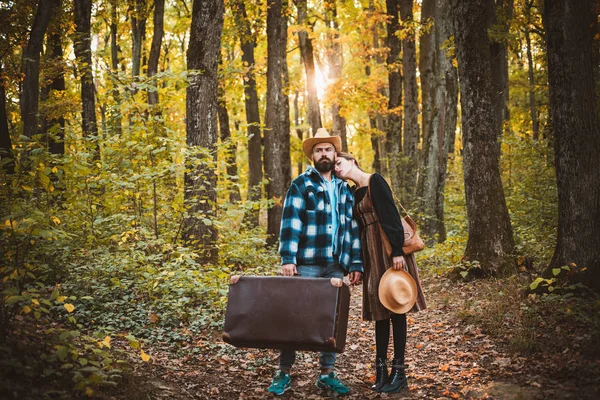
[(324, 165)]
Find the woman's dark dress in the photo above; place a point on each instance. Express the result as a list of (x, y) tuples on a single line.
[(375, 259)]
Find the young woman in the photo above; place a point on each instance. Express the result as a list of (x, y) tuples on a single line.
[(374, 207)]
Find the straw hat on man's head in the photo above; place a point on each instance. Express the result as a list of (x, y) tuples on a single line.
[(397, 291), (321, 136)]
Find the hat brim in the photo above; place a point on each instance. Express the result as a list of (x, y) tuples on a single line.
[(397, 280), (309, 143)]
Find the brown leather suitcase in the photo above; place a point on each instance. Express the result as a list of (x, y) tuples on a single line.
[(277, 312)]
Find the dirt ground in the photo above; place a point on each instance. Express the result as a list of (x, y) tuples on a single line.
[(446, 359)]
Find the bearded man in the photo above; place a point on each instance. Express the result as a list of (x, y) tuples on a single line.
[(318, 239)]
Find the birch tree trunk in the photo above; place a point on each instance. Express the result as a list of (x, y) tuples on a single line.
[(573, 106), (490, 239), (277, 120), (201, 126)]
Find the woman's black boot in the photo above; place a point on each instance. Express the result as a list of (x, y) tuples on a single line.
[(381, 376), (397, 380)]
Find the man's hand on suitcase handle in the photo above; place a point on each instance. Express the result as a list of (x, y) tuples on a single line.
[(288, 270)]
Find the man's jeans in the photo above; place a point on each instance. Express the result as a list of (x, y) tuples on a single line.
[(327, 360)]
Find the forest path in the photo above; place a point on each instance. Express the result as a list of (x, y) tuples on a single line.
[(447, 359)]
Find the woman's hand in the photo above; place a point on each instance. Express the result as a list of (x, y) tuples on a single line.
[(399, 262), (355, 277)]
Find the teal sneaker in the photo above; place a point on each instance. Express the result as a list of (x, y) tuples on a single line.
[(281, 382), (332, 383)]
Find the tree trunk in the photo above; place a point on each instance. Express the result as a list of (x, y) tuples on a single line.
[(376, 120), (5, 142), (83, 52), (155, 123), (306, 52), (30, 68), (115, 120), (427, 72), (138, 12), (436, 143), (230, 148), (277, 120), (334, 59), (500, 15), (411, 98), (201, 126), (530, 74), (255, 174), (159, 16), (490, 239), (114, 47), (426, 63), (299, 133), (53, 128), (573, 106), (394, 126)]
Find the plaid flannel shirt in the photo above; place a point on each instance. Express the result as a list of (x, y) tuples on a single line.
[(307, 212)]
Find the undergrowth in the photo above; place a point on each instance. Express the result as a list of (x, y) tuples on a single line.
[(530, 323)]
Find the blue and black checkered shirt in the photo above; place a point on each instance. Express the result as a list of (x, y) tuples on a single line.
[(305, 237)]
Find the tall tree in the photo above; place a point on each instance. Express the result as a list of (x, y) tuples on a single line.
[(30, 68), (306, 52), (230, 147), (201, 124), (255, 174), (499, 19), (159, 16), (114, 66), (300, 162), (277, 120), (376, 120), (490, 233), (114, 46), (83, 52), (573, 104), (394, 118), (335, 61), (438, 139), (138, 12), (411, 99), (5, 142), (53, 127), (426, 63), (535, 126)]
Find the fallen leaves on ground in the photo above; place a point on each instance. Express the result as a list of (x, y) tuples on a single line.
[(447, 359)]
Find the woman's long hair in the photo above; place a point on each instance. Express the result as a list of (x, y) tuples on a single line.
[(349, 157)]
